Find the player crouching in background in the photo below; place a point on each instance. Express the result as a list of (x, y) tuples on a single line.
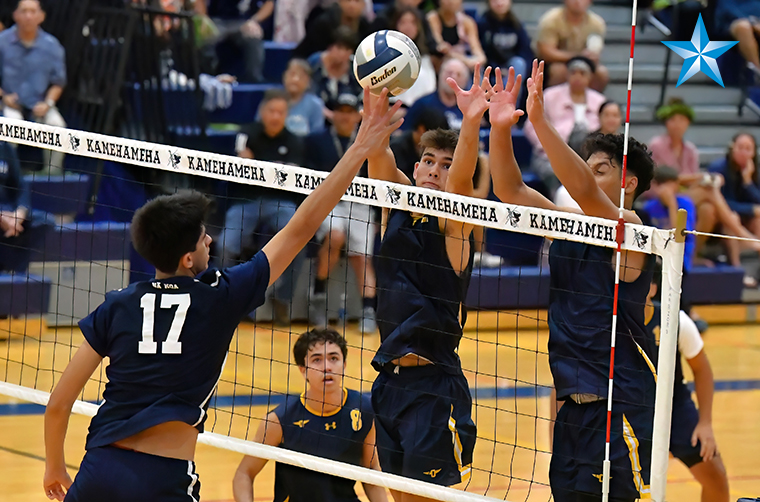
[(327, 420)]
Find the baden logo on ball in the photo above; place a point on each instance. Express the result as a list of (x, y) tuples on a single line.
[(387, 59)]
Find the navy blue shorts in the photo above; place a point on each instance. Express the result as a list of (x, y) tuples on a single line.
[(578, 453), (424, 428), (111, 474), (684, 421)]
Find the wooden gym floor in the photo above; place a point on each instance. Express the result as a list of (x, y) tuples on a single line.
[(513, 430)]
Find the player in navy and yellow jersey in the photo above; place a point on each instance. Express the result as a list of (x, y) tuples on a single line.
[(327, 421), (421, 398), (691, 434), (167, 340), (581, 304)]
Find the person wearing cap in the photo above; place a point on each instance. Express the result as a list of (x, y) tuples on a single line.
[(568, 31), (350, 226), (573, 109)]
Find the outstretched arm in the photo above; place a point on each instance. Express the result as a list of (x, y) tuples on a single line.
[(508, 184), (573, 172), (269, 432), (57, 414), (381, 165), (374, 132), (369, 459)]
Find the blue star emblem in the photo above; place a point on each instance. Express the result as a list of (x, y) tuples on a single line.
[(700, 54)]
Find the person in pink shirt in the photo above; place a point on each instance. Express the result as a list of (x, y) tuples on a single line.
[(672, 149), (573, 109)]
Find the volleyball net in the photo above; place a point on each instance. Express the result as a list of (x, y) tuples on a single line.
[(75, 260)]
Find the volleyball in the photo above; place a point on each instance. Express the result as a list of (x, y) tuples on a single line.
[(387, 59)]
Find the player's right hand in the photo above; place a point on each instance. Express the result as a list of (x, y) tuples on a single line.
[(54, 482), (502, 107), (377, 123)]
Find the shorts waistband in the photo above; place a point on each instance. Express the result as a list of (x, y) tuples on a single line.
[(585, 398), (411, 371)]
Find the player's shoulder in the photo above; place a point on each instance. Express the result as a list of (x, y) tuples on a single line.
[(596, 21), (124, 294)]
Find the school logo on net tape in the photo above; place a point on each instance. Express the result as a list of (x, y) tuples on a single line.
[(700, 54)]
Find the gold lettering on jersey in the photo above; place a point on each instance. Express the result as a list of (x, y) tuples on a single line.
[(329, 426), (301, 423), (356, 420), (432, 472)]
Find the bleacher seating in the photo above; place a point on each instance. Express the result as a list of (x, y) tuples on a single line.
[(59, 194), (22, 294), (508, 288), (245, 104)]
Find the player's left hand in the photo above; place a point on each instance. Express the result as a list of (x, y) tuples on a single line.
[(473, 103), (503, 110), (704, 434), (55, 482)]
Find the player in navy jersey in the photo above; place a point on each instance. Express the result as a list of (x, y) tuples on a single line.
[(691, 434), (167, 340), (581, 302), (326, 420), (421, 398)]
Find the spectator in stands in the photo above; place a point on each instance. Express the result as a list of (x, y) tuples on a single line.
[(241, 23), (344, 14), (741, 189), (569, 31), (573, 109), (332, 74), (350, 225), (408, 21), (406, 146), (305, 111), (292, 18), (388, 18), (33, 73), (257, 213), (505, 41), (444, 98), (21, 231), (741, 20), (610, 118), (671, 148), (455, 33)]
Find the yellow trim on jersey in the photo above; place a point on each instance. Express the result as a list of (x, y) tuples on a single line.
[(648, 361), (466, 470), (633, 453), (320, 413)]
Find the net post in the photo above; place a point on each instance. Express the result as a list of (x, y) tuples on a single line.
[(672, 265)]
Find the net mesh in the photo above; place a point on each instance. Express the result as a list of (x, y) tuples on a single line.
[(80, 249)]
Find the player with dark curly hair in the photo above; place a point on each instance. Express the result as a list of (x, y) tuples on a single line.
[(581, 304)]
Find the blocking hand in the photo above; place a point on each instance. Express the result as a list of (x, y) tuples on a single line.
[(503, 110), (535, 104), (376, 127), (473, 103)]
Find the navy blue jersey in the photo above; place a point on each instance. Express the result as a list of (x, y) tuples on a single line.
[(419, 295), (336, 436), (680, 390), (167, 341), (580, 322)]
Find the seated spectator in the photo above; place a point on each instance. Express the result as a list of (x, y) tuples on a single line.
[(741, 189), (389, 17), (350, 225), (505, 41), (444, 98), (406, 146), (610, 118), (573, 109), (305, 110), (740, 19), (569, 31), (686, 11), (456, 34), (21, 230), (33, 73), (332, 73), (408, 21), (244, 29), (670, 148), (257, 213), (344, 14)]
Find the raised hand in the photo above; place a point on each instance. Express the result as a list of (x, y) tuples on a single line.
[(503, 110), (474, 102), (376, 127), (535, 103)]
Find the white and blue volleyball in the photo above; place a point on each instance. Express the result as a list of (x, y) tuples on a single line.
[(387, 59)]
